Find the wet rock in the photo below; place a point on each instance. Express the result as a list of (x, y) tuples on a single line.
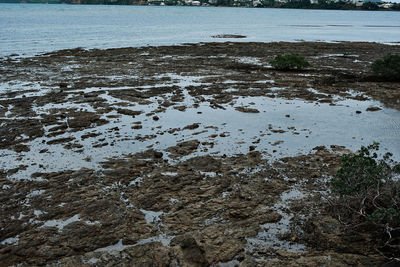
[(278, 131), (191, 126), (60, 140), (20, 148), (373, 109), (145, 137), (11, 130), (319, 148), (229, 36), (277, 143), (287, 254), (88, 135), (85, 120), (180, 108), (158, 154), (183, 148), (193, 254), (247, 110), (129, 112), (392, 264), (137, 127), (173, 130), (73, 145), (134, 201), (63, 85)]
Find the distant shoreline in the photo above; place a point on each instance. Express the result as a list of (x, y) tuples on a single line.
[(290, 4)]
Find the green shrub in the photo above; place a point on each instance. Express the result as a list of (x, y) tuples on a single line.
[(367, 192), (359, 172), (383, 215), (289, 62), (388, 67)]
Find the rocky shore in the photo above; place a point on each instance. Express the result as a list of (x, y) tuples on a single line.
[(190, 155)]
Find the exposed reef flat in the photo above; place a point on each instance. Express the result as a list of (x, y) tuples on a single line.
[(191, 155)]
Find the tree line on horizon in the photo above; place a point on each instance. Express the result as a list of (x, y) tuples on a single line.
[(296, 4)]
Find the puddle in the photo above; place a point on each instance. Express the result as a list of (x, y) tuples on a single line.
[(163, 239), (209, 174), (269, 236), (337, 55), (249, 60), (60, 224), (152, 216), (281, 128), (169, 173), (231, 263), (136, 181), (10, 241), (21, 89), (35, 193)]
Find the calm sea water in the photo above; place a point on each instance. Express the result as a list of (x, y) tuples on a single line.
[(33, 28)]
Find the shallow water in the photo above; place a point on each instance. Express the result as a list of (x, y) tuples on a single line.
[(33, 28), (281, 128), (270, 233)]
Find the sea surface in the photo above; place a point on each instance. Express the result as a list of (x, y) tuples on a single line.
[(28, 29)]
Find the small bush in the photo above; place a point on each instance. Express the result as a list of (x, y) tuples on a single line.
[(360, 172), (388, 67), (289, 62), (367, 192)]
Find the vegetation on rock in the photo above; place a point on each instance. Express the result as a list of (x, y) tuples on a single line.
[(367, 195), (388, 67), (289, 62)]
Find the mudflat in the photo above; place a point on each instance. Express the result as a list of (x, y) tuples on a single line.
[(190, 155)]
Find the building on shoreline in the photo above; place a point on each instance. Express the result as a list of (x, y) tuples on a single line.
[(300, 4)]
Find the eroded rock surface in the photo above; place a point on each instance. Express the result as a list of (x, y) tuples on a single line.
[(183, 155)]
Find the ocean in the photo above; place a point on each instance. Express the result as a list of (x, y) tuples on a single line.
[(28, 29)]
